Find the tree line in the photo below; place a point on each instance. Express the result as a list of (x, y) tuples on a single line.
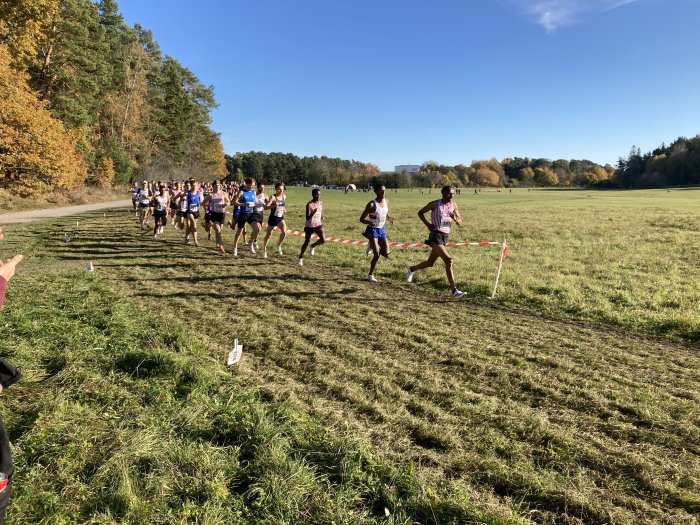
[(290, 169), (88, 99), (677, 164)]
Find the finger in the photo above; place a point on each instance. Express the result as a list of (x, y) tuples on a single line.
[(14, 260)]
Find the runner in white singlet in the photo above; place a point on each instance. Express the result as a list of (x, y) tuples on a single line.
[(375, 215)]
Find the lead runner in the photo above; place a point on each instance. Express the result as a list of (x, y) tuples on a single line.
[(442, 213)]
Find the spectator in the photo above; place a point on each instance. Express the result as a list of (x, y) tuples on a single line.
[(8, 375)]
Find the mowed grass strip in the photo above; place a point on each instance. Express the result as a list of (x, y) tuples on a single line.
[(122, 418), (537, 419)]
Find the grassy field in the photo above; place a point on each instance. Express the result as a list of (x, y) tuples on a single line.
[(570, 399)]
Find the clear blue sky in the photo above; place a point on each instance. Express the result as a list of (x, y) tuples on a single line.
[(405, 81)]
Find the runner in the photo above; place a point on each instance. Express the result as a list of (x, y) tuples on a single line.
[(277, 204), (134, 197), (174, 198), (181, 220), (160, 203), (246, 202), (313, 225), (217, 202), (194, 201), (145, 195), (260, 203), (375, 215), (442, 213)]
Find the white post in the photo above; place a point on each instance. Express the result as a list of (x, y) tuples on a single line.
[(504, 246)]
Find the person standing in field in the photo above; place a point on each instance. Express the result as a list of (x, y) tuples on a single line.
[(313, 225), (442, 213), (375, 215)]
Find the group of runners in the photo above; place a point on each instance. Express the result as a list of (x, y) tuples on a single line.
[(183, 202)]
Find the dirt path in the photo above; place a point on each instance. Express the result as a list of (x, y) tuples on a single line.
[(50, 213)]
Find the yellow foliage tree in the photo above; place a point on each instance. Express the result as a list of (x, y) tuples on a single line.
[(486, 177), (24, 27), (37, 154)]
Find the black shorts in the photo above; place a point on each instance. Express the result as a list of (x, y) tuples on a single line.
[(160, 214), (144, 206), (218, 218), (174, 206), (246, 218), (318, 230), (207, 216), (274, 221), (194, 214), (182, 214), (437, 238)]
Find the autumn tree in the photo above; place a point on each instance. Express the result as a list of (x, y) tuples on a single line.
[(37, 153)]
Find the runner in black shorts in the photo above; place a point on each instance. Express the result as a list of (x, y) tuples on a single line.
[(160, 203), (442, 213), (217, 201), (313, 225), (246, 202), (278, 205)]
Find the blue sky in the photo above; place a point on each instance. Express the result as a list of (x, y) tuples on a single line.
[(405, 81)]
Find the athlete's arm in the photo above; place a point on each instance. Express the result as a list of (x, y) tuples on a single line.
[(368, 209), (389, 217), (456, 216), (309, 214), (425, 209)]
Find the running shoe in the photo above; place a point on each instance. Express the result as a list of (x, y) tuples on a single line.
[(313, 251), (161, 229), (252, 248), (301, 262), (279, 250), (409, 274), (209, 236), (155, 237), (186, 241), (235, 251), (457, 294), (196, 244), (265, 254), (372, 279), (256, 245), (222, 251)]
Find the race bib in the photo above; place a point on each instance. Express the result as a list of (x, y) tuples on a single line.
[(279, 211), (445, 221), (194, 208), (217, 208)]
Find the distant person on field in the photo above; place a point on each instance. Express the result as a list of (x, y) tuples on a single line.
[(8, 375), (442, 213)]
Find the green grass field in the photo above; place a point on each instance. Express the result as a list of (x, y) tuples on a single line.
[(572, 398)]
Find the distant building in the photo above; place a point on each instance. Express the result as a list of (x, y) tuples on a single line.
[(410, 168)]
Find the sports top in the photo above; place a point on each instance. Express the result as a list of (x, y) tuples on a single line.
[(317, 210), (441, 217), (247, 201), (380, 214)]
